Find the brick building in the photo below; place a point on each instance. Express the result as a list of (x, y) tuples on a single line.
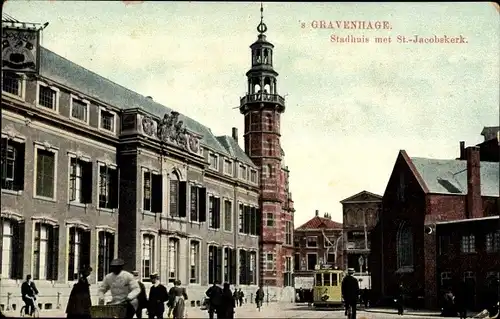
[(360, 216), (92, 171), (313, 248), (422, 192)]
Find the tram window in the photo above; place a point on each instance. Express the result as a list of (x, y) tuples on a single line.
[(335, 280), (318, 280), (326, 279)]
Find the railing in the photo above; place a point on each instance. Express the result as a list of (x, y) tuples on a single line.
[(262, 97)]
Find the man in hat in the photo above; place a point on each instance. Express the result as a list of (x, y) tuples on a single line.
[(158, 295), (142, 298), (214, 294), (350, 292), (123, 286)]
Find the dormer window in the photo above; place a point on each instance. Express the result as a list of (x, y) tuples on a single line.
[(214, 161), (79, 109), (228, 167), (243, 172), (253, 176)]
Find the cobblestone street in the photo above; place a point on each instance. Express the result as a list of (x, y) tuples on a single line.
[(273, 310)]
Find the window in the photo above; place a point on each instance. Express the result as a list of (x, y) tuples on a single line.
[(173, 259), (198, 204), (214, 161), (214, 264), (444, 244), (296, 262), (445, 279), (269, 261), (105, 254), (148, 256), (254, 221), (288, 280), (108, 186), (253, 268), (12, 165), (253, 176), (214, 212), (270, 147), (270, 219), (243, 172), (229, 265), (80, 181), (468, 244), (12, 83), (312, 242), (79, 109), (178, 196), (312, 260), (330, 259), (288, 233), (493, 242), (47, 97), (240, 219), (79, 251), (405, 246), (228, 215), (296, 242), (245, 267), (12, 248), (107, 120), (194, 259), (45, 252), (329, 241), (45, 181), (152, 192), (228, 167)]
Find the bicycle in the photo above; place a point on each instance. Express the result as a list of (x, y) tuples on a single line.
[(36, 311)]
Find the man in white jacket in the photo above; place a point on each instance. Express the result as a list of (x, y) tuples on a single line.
[(123, 286)]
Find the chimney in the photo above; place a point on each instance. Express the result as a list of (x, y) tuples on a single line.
[(235, 134), (473, 199), (462, 150), (317, 213)]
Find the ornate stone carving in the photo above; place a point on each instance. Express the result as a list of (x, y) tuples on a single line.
[(171, 130), (148, 126)]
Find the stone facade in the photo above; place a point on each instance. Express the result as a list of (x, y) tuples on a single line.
[(360, 216), (421, 193)]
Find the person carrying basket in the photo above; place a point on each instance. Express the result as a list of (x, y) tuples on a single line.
[(123, 286)]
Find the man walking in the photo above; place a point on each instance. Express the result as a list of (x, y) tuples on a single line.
[(350, 292), (214, 294), (158, 295)]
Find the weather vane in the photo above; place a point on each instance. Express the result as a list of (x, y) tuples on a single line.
[(262, 28)]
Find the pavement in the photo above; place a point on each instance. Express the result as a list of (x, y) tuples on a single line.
[(275, 310)]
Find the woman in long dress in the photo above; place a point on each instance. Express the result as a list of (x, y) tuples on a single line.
[(177, 301)]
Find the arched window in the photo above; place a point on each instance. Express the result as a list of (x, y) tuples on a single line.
[(174, 194), (269, 170), (269, 122), (405, 246)]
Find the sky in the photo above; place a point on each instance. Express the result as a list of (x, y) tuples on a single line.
[(350, 107)]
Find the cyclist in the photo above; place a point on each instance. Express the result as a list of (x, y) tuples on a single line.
[(28, 293), (350, 292)]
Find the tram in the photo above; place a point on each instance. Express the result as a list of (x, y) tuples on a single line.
[(327, 290)]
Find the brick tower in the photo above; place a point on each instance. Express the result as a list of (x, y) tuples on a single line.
[(262, 107)]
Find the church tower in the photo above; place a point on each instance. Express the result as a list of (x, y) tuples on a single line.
[(262, 108)]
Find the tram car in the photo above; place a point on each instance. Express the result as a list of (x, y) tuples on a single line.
[(327, 290)]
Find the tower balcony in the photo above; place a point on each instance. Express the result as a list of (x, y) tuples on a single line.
[(262, 97)]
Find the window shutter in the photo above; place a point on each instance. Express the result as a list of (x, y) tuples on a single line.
[(54, 252), (193, 204), (219, 265), (252, 221), (115, 187), (232, 277), (19, 168), (111, 248), (202, 207), (182, 199), (217, 212), (85, 257), (87, 182), (247, 219), (258, 216), (156, 193), (18, 253)]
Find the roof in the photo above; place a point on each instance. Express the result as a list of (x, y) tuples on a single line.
[(72, 75), (468, 220), (490, 130), (320, 222), (234, 149), (362, 196), (450, 176)]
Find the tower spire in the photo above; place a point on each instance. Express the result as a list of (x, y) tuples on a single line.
[(262, 28)]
